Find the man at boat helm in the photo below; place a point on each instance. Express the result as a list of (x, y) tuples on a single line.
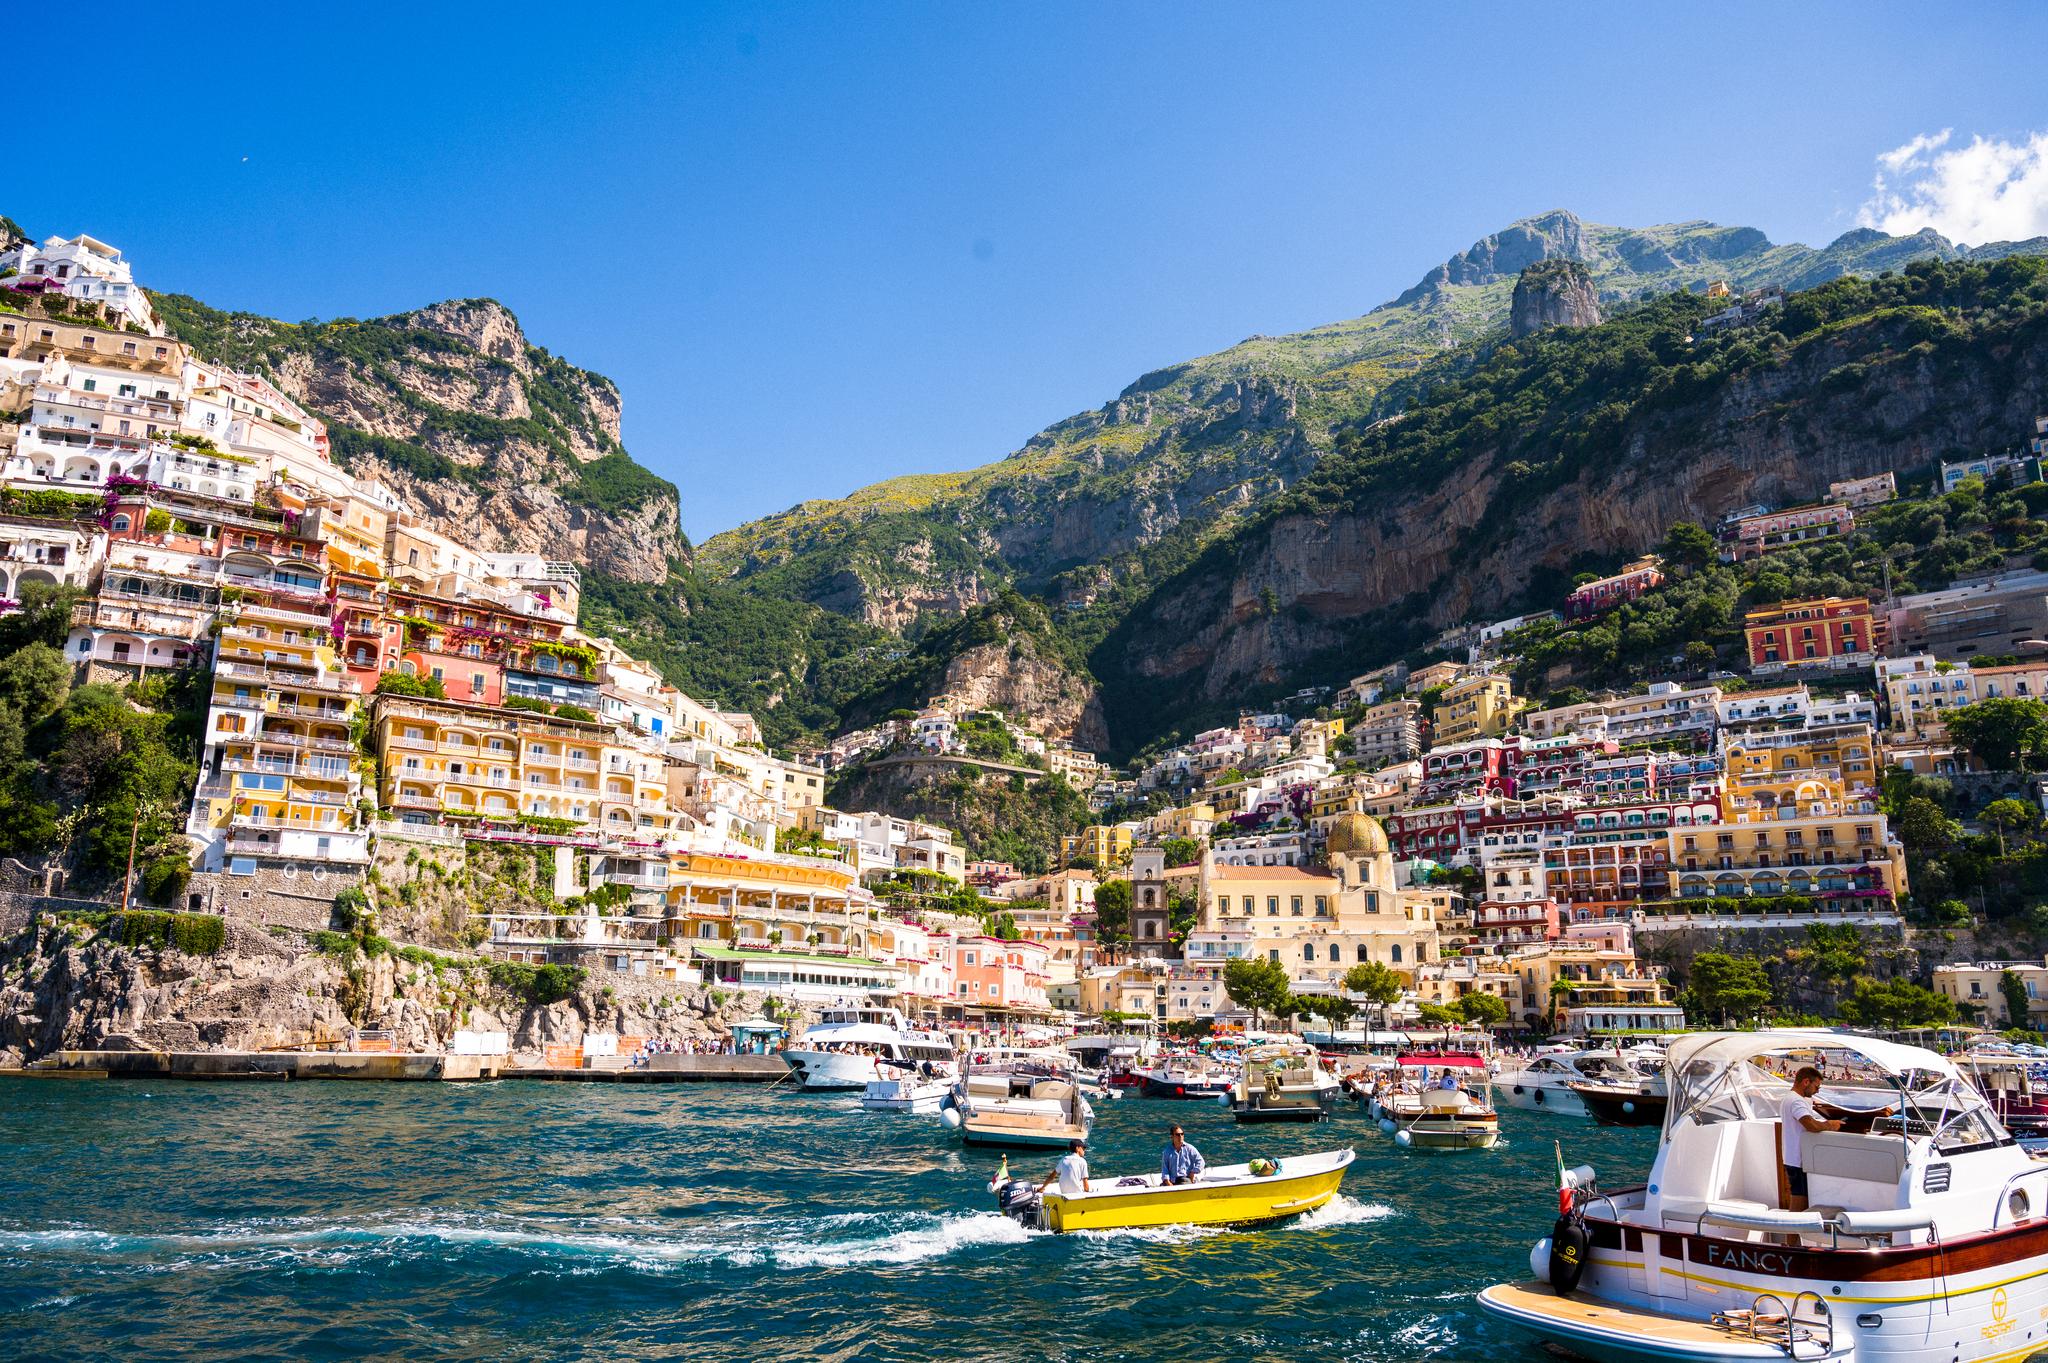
[(1799, 1114), (1181, 1163)]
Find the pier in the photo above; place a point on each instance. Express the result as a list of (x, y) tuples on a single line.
[(231, 1066)]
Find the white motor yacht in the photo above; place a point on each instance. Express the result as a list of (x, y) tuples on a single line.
[(1924, 1238), (852, 1047), (1018, 1097), (1544, 1084)]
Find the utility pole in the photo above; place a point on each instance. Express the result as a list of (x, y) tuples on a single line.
[(128, 880)]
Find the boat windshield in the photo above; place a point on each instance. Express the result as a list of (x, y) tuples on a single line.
[(1711, 1084)]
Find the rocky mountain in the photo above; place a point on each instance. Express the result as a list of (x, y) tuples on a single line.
[(1573, 449), (453, 406), (1194, 446), (1553, 293)]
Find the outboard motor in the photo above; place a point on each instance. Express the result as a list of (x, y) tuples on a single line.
[(1022, 1202)]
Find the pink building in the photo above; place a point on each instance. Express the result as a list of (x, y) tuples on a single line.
[(1606, 593), (989, 972)]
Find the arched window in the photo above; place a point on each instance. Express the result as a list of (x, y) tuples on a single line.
[(1397, 953), (1363, 954), (1308, 951), (121, 521)]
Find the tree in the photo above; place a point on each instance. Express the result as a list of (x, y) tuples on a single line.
[(1483, 1009), (2002, 732), (1924, 829), (1113, 911), (1377, 984), (1181, 851), (1687, 546), (1896, 1003), (2018, 1004), (1726, 987), (1437, 1015), (406, 684), (1332, 1008), (2010, 816), (1258, 983), (1834, 951), (34, 682)]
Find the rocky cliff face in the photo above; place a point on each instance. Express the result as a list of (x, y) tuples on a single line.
[(1040, 691), (1553, 293), (62, 988), (453, 407), (1298, 587)]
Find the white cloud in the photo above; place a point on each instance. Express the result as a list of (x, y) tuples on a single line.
[(1990, 190)]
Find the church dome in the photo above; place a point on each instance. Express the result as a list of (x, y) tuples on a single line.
[(1357, 835)]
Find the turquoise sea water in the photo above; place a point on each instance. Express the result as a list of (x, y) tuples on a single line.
[(144, 1221)]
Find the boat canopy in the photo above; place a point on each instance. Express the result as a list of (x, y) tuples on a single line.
[(1736, 1076), (1719, 1050), (1449, 1059)]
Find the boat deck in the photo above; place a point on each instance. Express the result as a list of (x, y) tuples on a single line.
[(1538, 1305)]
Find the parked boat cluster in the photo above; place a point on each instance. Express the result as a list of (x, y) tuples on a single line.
[(1813, 1195)]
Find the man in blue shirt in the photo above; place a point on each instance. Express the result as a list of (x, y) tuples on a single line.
[(1181, 1163)]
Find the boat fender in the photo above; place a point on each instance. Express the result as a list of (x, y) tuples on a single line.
[(1539, 1259), (1518, 1089), (1223, 1098), (1387, 1125), (1539, 1096), (1569, 1247), (1403, 1138), (950, 1118), (1628, 1107)]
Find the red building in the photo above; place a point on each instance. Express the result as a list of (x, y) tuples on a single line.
[(1821, 632)]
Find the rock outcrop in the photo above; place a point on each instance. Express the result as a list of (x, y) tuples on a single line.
[(63, 987), (1032, 688), (453, 407), (1553, 293)]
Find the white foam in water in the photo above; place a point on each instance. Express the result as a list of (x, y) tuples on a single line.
[(1344, 1211), (782, 1243)]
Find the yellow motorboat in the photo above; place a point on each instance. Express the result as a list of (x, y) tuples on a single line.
[(1224, 1195)]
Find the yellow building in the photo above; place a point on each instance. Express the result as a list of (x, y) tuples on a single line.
[(1800, 816), (1318, 925), (282, 781), (447, 756), (1184, 821), (1476, 707), (1106, 845)]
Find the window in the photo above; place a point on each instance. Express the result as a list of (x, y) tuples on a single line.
[(1396, 952), (1308, 951)]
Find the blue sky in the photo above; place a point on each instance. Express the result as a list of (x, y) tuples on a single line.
[(821, 245)]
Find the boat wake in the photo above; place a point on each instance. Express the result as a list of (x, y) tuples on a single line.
[(1344, 1211), (850, 1240)]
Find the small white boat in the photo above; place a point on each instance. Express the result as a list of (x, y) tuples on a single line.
[(852, 1047), (1283, 1082), (1440, 1101), (920, 1090), (1018, 1097)]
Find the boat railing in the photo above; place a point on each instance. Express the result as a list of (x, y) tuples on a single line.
[(2005, 1192)]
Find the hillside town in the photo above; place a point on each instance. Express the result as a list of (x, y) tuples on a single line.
[(382, 693)]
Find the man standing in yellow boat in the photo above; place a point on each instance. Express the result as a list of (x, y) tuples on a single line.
[(1181, 1163), (1071, 1173)]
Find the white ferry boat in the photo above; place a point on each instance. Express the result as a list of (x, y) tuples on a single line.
[(1923, 1238), (851, 1047)]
